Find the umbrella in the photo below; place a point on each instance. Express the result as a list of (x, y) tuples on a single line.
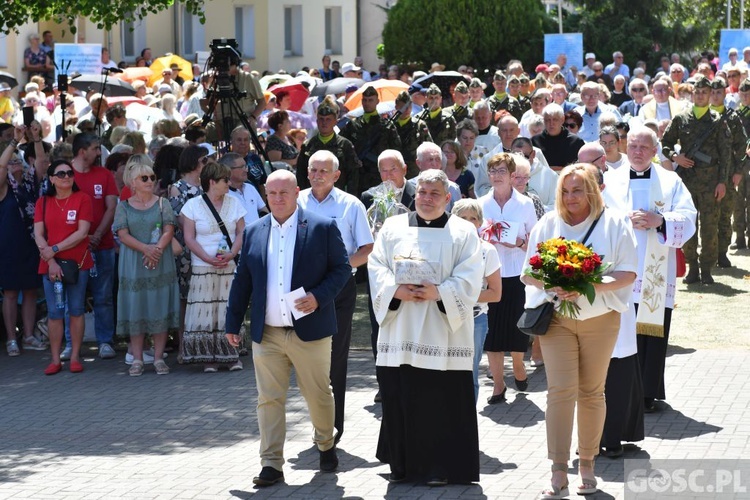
[(297, 92), (271, 80), (443, 79), (135, 73), (336, 86), (114, 87), (388, 90), (165, 62), (384, 108), (125, 100), (8, 78)]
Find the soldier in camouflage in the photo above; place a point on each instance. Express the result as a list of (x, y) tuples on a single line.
[(460, 110), (501, 100), (439, 121), (742, 203), (327, 139), (371, 135), (412, 131), (737, 165), (703, 162), (514, 90)]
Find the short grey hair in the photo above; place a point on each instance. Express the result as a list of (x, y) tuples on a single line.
[(326, 156), (428, 146), (482, 106), (553, 110), (468, 205), (392, 154), (641, 132), (229, 158), (433, 176), (637, 81)]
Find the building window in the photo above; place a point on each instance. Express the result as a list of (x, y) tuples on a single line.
[(244, 30), (293, 30), (193, 33), (3, 50), (133, 34), (333, 30)]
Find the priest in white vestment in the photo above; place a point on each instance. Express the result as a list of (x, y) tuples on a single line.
[(425, 277), (663, 216)]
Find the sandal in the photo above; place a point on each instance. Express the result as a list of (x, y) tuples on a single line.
[(161, 367), (12, 348), (210, 369), (136, 369), (556, 492), (588, 484), (236, 366)]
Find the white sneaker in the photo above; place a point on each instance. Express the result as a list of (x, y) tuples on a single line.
[(65, 354), (147, 358), (106, 351)]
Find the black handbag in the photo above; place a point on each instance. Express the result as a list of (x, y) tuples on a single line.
[(536, 320)]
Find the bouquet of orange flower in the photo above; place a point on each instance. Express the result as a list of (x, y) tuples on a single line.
[(570, 265)]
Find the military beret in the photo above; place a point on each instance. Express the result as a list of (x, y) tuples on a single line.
[(718, 83), (745, 85), (461, 87), (475, 82), (701, 82), (328, 108), (524, 78), (499, 75), (370, 92), (513, 79), (433, 90)]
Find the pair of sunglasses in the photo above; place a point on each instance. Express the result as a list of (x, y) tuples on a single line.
[(64, 173), (146, 178)]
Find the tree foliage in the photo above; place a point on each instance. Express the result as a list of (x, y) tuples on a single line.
[(104, 13), (454, 32)]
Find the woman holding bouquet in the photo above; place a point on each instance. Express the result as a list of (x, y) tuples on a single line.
[(577, 349), (510, 217)]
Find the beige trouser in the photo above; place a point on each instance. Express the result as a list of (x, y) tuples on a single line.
[(576, 359), (273, 358)]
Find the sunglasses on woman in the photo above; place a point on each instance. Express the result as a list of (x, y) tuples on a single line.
[(571, 125), (146, 178), (64, 173)]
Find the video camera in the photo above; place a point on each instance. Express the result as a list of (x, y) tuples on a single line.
[(224, 53)]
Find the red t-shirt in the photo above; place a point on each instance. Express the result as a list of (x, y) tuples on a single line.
[(126, 193), (98, 183), (61, 219)]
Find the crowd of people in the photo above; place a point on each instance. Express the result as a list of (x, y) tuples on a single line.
[(175, 232)]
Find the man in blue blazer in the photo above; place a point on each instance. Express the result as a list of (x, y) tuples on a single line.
[(288, 250)]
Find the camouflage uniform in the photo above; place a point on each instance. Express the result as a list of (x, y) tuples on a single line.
[(370, 137), (412, 134), (701, 179), (460, 113), (524, 103), (509, 104), (736, 166), (343, 150), (442, 127), (742, 203)]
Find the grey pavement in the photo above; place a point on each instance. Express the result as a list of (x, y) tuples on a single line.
[(189, 435)]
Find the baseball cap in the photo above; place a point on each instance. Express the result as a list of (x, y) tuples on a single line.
[(590, 55), (346, 67)]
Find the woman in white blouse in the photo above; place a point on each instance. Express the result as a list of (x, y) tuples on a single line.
[(504, 207)]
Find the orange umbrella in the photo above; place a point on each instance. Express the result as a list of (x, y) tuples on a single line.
[(388, 90), (165, 62), (135, 73)]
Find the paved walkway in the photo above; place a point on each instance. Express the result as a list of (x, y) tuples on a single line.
[(189, 435)]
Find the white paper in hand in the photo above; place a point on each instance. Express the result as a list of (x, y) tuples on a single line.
[(290, 297)]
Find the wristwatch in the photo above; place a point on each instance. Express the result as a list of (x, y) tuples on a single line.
[(523, 242), (55, 249)]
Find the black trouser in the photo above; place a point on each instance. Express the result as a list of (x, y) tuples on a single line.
[(344, 303)]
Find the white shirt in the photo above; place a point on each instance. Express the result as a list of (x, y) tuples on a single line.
[(348, 212), (518, 208), (250, 199), (489, 140), (207, 232), (491, 264), (280, 259)]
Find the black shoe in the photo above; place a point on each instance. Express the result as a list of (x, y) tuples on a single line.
[(724, 261), (337, 437), (268, 476), (706, 278), (497, 398), (329, 462), (437, 481), (612, 452), (648, 405), (522, 385), (693, 276), (378, 398), (396, 477)]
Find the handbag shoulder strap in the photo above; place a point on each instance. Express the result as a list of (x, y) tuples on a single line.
[(223, 228), (593, 225)]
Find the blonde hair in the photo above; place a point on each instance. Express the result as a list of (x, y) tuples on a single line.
[(137, 165), (589, 175)]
